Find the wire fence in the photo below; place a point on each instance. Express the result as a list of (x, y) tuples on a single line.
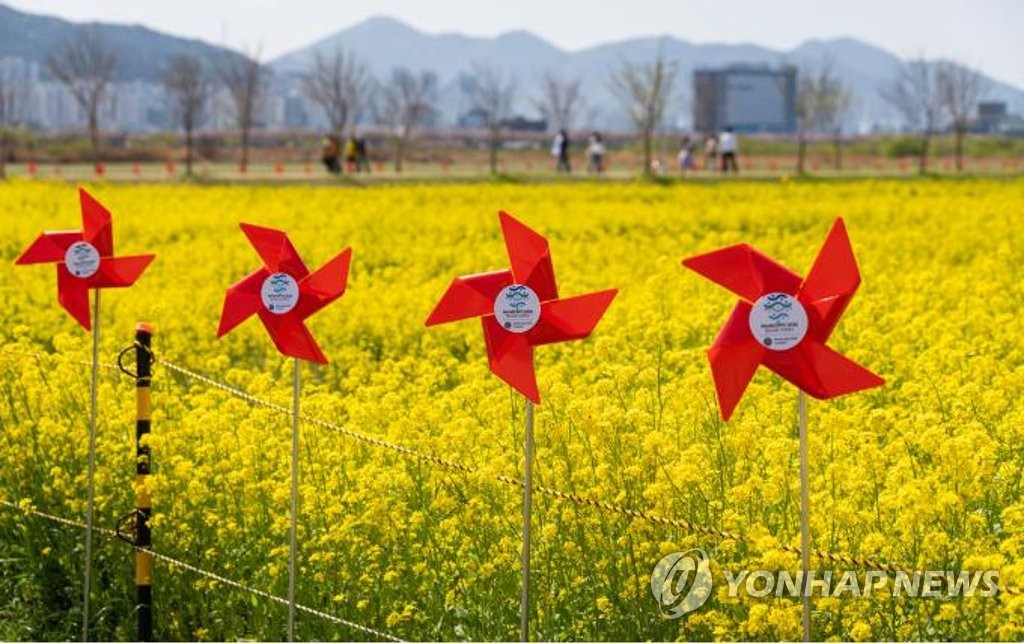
[(554, 493), (184, 565)]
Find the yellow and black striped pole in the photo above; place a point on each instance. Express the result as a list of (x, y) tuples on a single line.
[(143, 507)]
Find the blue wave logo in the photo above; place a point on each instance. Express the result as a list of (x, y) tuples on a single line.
[(517, 292), (279, 284), (81, 250), (777, 304)]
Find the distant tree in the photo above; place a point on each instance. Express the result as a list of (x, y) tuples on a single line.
[(341, 85), (246, 80), (644, 90), (821, 104), (560, 101), (914, 92), (188, 88), (959, 91), (13, 97), (834, 103), (805, 105), (407, 101), (491, 97), (85, 66)]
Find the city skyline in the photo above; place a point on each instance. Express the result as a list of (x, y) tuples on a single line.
[(954, 29)]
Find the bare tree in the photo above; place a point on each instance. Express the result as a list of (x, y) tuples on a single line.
[(491, 97), (959, 90), (821, 104), (806, 107), (915, 94), (341, 85), (246, 80), (187, 87), (408, 100), (560, 101), (85, 67), (835, 101), (13, 97), (644, 90)]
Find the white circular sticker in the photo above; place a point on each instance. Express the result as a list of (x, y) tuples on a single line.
[(280, 293), (517, 308), (82, 259), (778, 321)]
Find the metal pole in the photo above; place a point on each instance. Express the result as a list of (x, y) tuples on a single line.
[(524, 604), (805, 537), (87, 584), (143, 505), (295, 497)]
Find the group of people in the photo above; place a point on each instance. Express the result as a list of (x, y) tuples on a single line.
[(354, 153), (719, 152), (595, 152)]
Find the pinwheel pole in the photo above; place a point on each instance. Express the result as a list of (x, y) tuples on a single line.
[(87, 582), (524, 603), (805, 531), (295, 502)]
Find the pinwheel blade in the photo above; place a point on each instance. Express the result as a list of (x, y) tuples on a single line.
[(97, 228), (291, 337), (530, 257), (745, 271), (242, 300), (820, 371), (572, 318), (833, 280), (836, 374), (325, 285), (511, 358), (73, 295), (50, 247), (276, 250), (120, 271), (469, 296), (734, 356)]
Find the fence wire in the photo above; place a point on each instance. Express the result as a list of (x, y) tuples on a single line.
[(575, 499), (111, 534), (570, 497)]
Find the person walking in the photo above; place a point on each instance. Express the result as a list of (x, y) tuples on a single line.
[(560, 150), (686, 155), (331, 152), (362, 155), (730, 148), (710, 152), (595, 153), (350, 154)]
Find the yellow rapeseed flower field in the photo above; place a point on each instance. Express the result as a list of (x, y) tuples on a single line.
[(925, 472)]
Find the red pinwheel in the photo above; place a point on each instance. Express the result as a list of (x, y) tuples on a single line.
[(85, 259), (519, 307), (284, 293), (784, 321)]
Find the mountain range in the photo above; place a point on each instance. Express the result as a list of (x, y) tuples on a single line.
[(142, 53), (385, 43)]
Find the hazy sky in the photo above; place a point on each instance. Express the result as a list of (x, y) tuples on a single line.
[(984, 33)]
